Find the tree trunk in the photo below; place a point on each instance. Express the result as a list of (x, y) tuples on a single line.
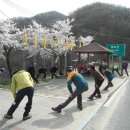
[(7, 54)]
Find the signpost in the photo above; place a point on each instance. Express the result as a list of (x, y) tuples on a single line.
[(119, 49)]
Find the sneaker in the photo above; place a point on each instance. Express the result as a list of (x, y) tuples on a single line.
[(90, 98), (27, 117), (105, 89), (111, 85), (98, 96), (8, 116), (57, 110), (80, 108)]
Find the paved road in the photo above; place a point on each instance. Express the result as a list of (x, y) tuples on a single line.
[(48, 95), (115, 114)]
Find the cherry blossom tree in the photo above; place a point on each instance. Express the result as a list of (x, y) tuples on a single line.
[(8, 41), (63, 37), (55, 39)]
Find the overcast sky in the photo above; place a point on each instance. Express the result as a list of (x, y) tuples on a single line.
[(29, 8)]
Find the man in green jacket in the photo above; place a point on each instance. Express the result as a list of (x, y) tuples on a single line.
[(81, 86), (22, 85)]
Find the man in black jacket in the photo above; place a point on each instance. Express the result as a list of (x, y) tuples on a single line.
[(53, 71), (42, 71), (31, 70), (98, 78)]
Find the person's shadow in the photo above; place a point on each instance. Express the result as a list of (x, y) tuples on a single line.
[(4, 120), (59, 120)]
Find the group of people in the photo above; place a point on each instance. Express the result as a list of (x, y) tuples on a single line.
[(32, 71), (115, 68), (22, 85), (124, 67)]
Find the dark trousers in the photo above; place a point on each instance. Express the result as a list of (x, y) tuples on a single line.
[(35, 79), (29, 91), (53, 74), (109, 84), (116, 71), (77, 93), (125, 71), (44, 75), (97, 88)]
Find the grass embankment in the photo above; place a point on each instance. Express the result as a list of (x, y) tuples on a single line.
[(5, 84)]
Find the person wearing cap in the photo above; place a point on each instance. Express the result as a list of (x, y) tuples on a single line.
[(22, 85), (98, 78), (81, 86)]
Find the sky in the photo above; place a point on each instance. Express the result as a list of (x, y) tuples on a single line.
[(28, 8)]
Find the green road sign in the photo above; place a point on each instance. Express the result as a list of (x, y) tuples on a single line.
[(119, 49)]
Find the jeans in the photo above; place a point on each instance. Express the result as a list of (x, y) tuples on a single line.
[(29, 91)]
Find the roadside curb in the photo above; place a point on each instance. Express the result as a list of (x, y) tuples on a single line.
[(96, 111), (110, 95)]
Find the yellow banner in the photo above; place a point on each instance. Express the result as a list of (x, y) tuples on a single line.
[(52, 43), (58, 43), (44, 41), (72, 44), (35, 40), (24, 38), (67, 44)]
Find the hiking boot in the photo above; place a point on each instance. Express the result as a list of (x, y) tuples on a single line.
[(90, 98), (98, 96), (8, 116), (56, 109), (27, 117), (80, 108)]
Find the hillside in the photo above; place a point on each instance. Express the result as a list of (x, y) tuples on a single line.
[(107, 23), (45, 19)]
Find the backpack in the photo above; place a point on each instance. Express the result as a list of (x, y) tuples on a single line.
[(111, 76)]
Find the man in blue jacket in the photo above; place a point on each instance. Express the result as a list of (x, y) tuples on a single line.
[(81, 86), (109, 75)]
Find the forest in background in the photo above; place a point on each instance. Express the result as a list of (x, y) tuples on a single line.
[(107, 23)]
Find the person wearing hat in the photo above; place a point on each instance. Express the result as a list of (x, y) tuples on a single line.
[(22, 85), (81, 86)]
